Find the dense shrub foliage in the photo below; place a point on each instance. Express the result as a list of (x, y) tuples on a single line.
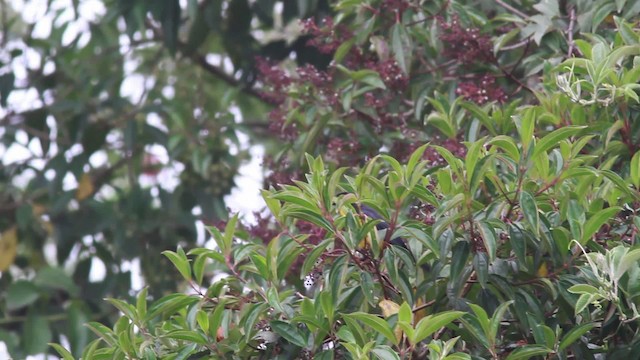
[(454, 180)]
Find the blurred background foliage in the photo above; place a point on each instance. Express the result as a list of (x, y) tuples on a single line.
[(121, 126), (132, 119)]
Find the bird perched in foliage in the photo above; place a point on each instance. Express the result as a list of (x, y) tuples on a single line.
[(382, 225)]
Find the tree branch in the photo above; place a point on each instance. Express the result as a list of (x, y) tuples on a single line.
[(512, 9), (220, 74), (572, 22), (201, 61)]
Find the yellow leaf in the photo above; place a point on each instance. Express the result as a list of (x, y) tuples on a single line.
[(8, 248), (85, 187), (388, 307), (543, 272)]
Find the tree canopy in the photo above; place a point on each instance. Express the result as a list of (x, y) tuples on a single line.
[(452, 179)]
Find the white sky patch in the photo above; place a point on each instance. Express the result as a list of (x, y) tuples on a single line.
[(136, 273), (133, 87)]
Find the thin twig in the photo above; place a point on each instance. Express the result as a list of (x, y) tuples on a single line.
[(517, 45), (423, 306), (512, 9), (572, 22)]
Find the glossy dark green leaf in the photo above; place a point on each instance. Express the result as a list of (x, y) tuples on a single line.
[(459, 258), (289, 332), (481, 266), (530, 211)]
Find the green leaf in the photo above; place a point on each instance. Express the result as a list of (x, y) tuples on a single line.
[(450, 159), (260, 262), (530, 211), (497, 318), (103, 332), (20, 294), (384, 352), (76, 331), (583, 301), (229, 232), (66, 355), (525, 125), (36, 334), (619, 183), (274, 299), (488, 238), (405, 314), (376, 323), (343, 50), (369, 77), (553, 139), (628, 260), (310, 260), (289, 332), (415, 157), (574, 334), (527, 352), (6, 86), (188, 335), (215, 319), (202, 318), (481, 266), (198, 33), (345, 334), (601, 13), (308, 215), (594, 222), (198, 268), (430, 324), (127, 309), (629, 36), (634, 170), (169, 304), (583, 289), (90, 350), (482, 318), (141, 303), (55, 278), (326, 303), (400, 41), (459, 257), (272, 203), (170, 21), (180, 261)]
